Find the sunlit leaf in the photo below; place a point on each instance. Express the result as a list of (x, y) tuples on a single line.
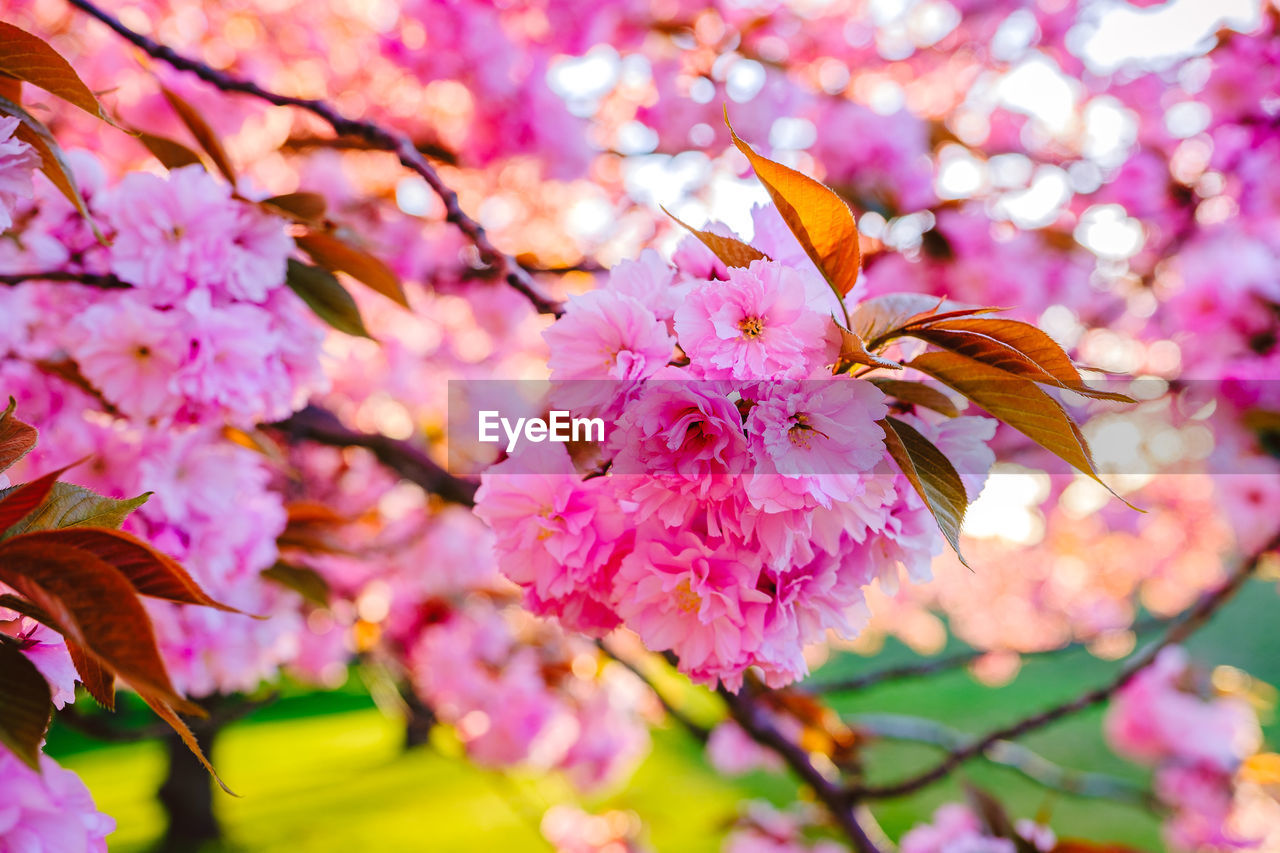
[(25, 704), (931, 473), (1018, 402), (17, 502), (853, 350), (202, 132), (1013, 346), (882, 317), (30, 58), (819, 218), (68, 505), (337, 255), (731, 251), (16, 438), (326, 296), (917, 394)]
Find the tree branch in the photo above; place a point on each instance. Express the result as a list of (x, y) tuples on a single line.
[(375, 135), (1007, 754), (1180, 628), (323, 427), (699, 732), (762, 730)]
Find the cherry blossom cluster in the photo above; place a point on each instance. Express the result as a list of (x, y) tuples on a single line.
[(750, 497)]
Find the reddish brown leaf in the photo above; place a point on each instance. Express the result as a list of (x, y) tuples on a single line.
[(731, 251), (917, 394), (16, 437), (151, 572), (31, 59), (202, 132), (1019, 402), (171, 153), (10, 88), (819, 218), (25, 704), (337, 255), (95, 604), (933, 476), (1013, 346), (301, 207), (21, 500), (1078, 845), (883, 317), (98, 681), (166, 713), (853, 350)]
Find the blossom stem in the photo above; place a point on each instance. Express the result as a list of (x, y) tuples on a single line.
[(1179, 629), (374, 134)]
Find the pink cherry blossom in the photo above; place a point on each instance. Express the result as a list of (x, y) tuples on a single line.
[(49, 811), (753, 326)]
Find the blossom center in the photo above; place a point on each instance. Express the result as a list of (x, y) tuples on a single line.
[(801, 432), (686, 599), (751, 327)]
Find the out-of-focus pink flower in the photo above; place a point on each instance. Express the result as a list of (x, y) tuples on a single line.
[(187, 232), (131, 353), (47, 812), (17, 162), (733, 752), (956, 829), (1152, 719)]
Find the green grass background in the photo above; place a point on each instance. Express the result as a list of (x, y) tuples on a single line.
[(326, 772)]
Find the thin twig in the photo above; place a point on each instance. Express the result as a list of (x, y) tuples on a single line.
[(946, 664), (1179, 629), (377, 136), (103, 280), (698, 731), (323, 427), (1015, 756)]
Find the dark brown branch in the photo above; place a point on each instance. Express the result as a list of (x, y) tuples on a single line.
[(104, 280), (375, 135), (1180, 628), (747, 713), (323, 427), (946, 664)]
